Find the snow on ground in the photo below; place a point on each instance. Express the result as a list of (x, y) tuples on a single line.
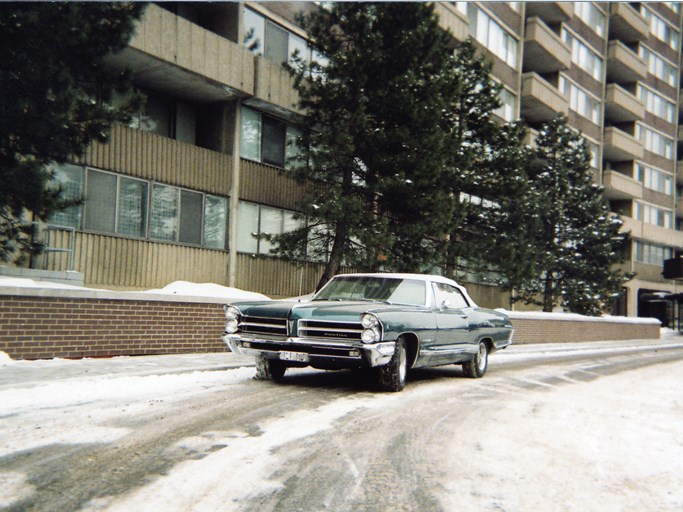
[(179, 288), (618, 437), (612, 444)]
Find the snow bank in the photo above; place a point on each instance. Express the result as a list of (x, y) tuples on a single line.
[(22, 282), (186, 288), (574, 317), (174, 289)]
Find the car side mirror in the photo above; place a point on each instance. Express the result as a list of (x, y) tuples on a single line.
[(445, 305)]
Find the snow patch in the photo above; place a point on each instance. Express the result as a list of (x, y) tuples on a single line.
[(540, 315), (187, 288)]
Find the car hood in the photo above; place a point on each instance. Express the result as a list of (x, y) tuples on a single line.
[(318, 310)]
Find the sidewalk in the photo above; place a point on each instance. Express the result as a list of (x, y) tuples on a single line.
[(25, 373)]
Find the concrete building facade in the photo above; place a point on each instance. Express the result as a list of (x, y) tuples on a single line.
[(184, 192)]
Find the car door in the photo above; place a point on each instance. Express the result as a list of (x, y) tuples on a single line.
[(453, 337)]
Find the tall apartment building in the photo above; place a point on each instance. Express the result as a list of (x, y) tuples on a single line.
[(184, 192)]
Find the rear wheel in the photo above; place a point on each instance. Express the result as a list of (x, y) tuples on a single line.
[(392, 376), (476, 367), (269, 369)]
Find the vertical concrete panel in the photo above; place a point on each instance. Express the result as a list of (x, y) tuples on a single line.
[(184, 44)]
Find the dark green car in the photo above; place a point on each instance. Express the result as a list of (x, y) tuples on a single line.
[(388, 322)]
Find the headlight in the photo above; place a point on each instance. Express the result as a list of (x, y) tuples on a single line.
[(369, 321), (231, 312), (369, 335), (232, 326)]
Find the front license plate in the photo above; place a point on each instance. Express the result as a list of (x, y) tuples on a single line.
[(294, 356)]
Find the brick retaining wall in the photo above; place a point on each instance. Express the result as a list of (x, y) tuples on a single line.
[(45, 327), (536, 329), (42, 324)]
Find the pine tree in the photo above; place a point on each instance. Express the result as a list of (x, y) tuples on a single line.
[(578, 242), (486, 173), (378, 149), (55, 98)]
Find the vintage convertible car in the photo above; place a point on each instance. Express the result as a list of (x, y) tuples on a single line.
[(388, 322)]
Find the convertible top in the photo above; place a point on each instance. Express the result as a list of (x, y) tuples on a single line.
[(419, 277)]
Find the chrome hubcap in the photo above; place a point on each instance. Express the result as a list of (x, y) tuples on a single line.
[(402, 364), (481, 357)]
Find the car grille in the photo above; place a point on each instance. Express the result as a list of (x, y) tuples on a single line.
[(267, 326), (331, 330)]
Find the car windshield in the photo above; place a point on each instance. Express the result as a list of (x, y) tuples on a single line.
[(382, 289)]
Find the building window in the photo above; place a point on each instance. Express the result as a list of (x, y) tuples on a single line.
[(591, 16), (268, 140), (215, 221), (580, 101), (167, 117), (258, 221), (660, 28), (492, 35), (657, 104), (164, 218), (132, 207), (655, 142), (100, 201), (674, 6), (658, 66), (594, 152), (654, 179), (70, 178), (125, 206), (271, 40), (651, 214), (583, 56), (461, 6), (651, 254), (507, 109)]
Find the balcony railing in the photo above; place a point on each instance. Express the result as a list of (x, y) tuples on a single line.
[(626, 24), (620, 186), (659, 235), (621, 106), (621, 146), (550, 12), (544, 50), (623, 65), (540, 100)]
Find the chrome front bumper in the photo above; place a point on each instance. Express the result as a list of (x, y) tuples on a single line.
[(375, 354)]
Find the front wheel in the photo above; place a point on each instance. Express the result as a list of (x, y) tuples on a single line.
[(476, 367), (392, 376), (269, 369)]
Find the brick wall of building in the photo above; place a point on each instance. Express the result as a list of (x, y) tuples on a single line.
[(43, 327)]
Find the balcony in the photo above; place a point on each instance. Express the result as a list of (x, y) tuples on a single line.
[(626, 24), (544, 50), (621, 146), (452, 20), (530, 137), (651, 233), (173, 55), (621, 106), (274, 89), (541, 101), (550, 12), (623, 65), (619, 186)]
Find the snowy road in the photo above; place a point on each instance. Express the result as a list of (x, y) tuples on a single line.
[(589, 427)]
